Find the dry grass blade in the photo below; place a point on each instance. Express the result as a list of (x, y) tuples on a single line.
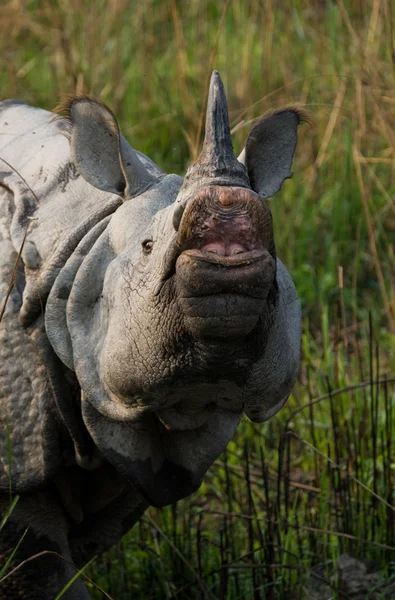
[(374, 19), (337, 106), (14, 273)]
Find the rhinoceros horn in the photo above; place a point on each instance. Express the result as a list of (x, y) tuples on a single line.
[(217, 164)]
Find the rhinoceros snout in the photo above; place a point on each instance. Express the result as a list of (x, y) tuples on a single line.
[(226, 264)]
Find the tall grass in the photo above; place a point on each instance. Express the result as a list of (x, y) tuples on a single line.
[(317, 480)]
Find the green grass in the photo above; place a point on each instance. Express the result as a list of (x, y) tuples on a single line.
[(289, 494)]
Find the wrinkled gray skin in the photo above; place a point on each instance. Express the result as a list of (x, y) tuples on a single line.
[(148, 313)]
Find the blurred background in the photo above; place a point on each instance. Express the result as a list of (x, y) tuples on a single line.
[(290, 497)]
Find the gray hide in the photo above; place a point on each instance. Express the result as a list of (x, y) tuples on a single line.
[(148, 313)]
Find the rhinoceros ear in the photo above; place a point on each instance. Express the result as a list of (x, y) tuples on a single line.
[(100, 153), (269, 150)]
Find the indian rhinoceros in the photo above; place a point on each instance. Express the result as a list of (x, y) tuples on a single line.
[(148, 313)]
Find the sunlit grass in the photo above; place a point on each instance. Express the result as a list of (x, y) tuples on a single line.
[(152, 64)]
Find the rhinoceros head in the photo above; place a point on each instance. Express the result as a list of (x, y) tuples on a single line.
[(172, 320)]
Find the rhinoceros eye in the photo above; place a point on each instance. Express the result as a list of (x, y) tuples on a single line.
[(147, 246)]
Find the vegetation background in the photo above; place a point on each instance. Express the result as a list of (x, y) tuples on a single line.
[(289, 497)]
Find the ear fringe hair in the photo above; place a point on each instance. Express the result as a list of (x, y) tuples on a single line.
[(63, 109), (303, 116)]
